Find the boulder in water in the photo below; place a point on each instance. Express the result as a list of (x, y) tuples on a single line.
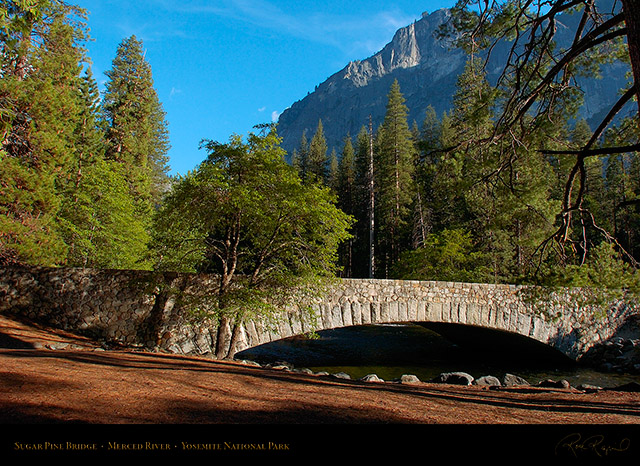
[(487, 380), (371, 378), (554, 383), (455, 378), (510, 380)]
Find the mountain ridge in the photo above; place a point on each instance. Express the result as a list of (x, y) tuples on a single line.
[(427, 68)]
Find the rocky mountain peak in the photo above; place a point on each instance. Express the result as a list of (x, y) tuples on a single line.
[(426, 67), (411, 46)]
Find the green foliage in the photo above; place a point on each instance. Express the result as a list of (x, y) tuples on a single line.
[(449, 255), (99, 220), (64, 198), (40, 68), (245, 214), (316, 163), (605, 270), (137, 134), (394, 176)]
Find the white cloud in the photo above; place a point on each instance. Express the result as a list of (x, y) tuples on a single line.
[(274, 116), (262, 109)]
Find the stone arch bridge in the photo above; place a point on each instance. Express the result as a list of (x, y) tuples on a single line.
[(563, 321), (130, 307)]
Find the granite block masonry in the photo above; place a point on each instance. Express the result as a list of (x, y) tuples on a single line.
[(149, 309)]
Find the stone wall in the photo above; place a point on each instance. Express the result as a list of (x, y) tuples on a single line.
[(134, 308), (138, 308)]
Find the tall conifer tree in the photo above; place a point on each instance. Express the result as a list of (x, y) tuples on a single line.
[(137, 133), (395, 175), (345, 187), (317, 161), (41, 62), (97, 216)]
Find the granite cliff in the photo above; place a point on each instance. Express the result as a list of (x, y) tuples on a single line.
[(426, 68)]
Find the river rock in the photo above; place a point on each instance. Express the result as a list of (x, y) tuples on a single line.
[(487, 380), (281, 367), (510, 380), (456, 378), (408, 378), (248, 362), (585, 387), (286, 364), (371, 378), (554, 383), (341, 375)]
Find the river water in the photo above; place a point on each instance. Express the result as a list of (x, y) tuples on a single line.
[(390, 351)]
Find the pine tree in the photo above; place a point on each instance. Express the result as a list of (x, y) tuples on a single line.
[(394, 176), (361, 195), (332, 171), (40, 68), (345, 188), (317, 160), (300, 158), (137, 134), (97, 214), (510, 213), (347, 177), (428, 151)]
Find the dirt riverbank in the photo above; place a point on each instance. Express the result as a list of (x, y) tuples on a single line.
[(79, 383)]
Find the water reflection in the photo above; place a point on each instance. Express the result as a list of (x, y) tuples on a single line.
[(392, 350)]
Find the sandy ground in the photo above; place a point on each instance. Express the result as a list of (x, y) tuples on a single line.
[(80, 388)]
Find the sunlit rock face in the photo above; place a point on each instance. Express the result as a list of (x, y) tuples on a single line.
[(426, 67)]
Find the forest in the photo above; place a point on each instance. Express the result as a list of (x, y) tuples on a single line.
[(509, 186)]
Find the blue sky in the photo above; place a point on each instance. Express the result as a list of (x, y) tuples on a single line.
[(220, 67)]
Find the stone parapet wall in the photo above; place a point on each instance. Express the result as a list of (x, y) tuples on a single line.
[(141, 308)]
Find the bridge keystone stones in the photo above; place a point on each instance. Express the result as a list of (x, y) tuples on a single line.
[(134, 308)]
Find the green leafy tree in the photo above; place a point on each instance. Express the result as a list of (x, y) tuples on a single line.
[(245, 214), (97, 213), (101, 224), (449, 255)]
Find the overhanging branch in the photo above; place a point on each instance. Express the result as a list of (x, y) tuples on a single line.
[(592, 152)]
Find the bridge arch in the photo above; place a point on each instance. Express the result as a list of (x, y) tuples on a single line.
[(561, 322)]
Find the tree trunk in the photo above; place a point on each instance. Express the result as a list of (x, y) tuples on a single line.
[(223, 340), (631, 12), (372, 267)]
